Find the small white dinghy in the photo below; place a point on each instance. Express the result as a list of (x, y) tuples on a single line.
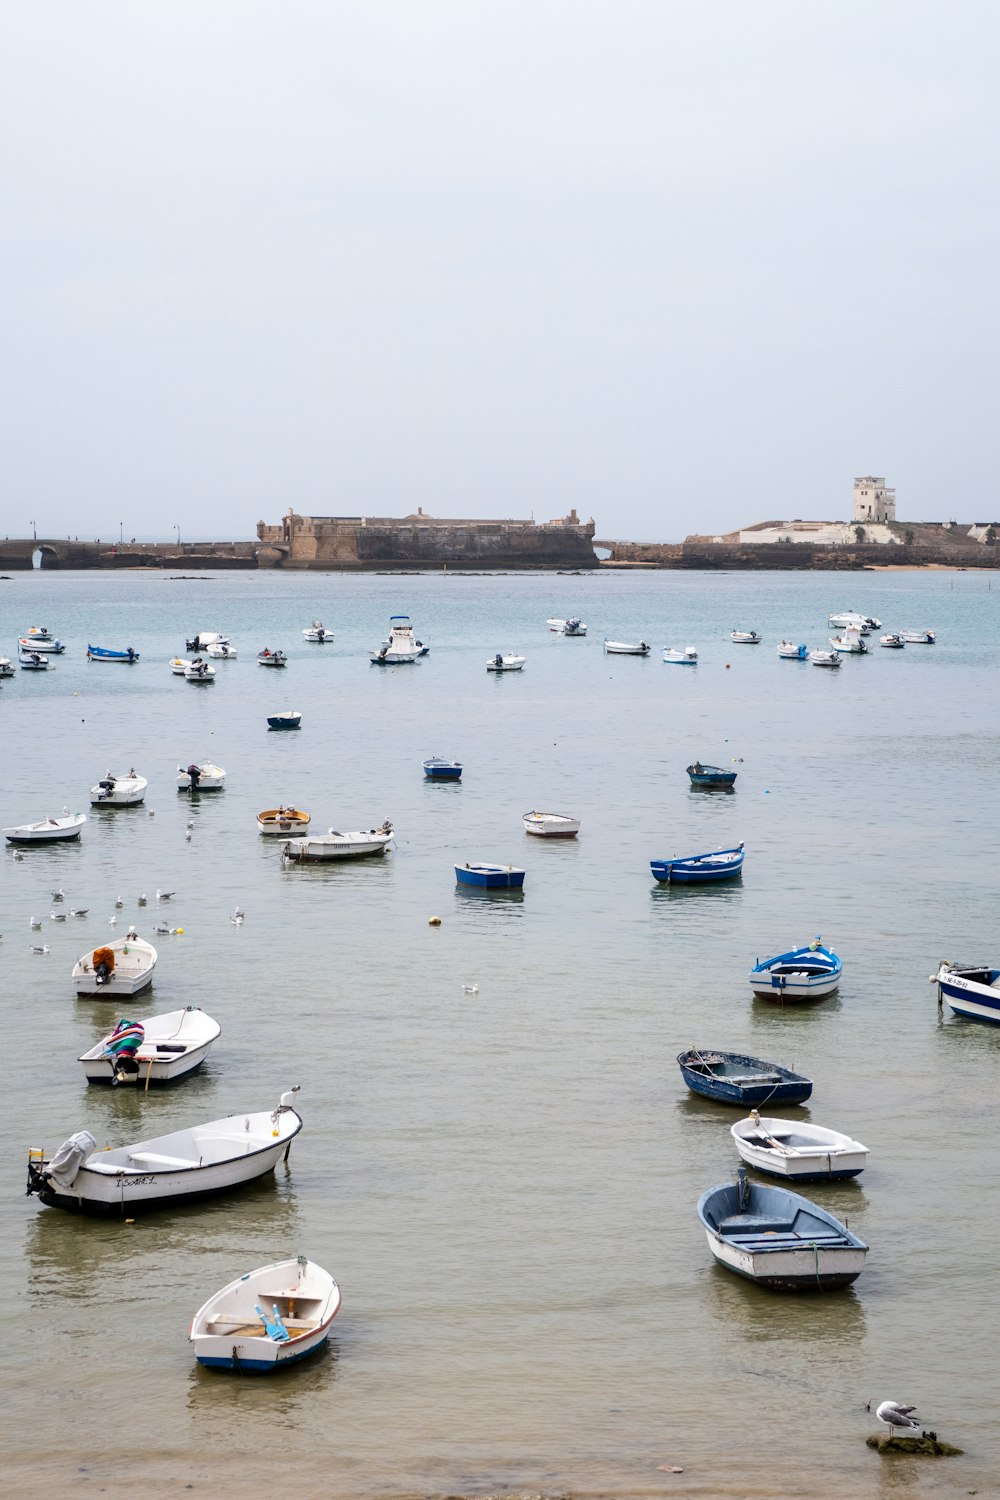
[(212, 1158), (48, 831), (6, 667), (820, 658), (179, 665), (745, 638), (506, 662), (199, 671), (283, 820), (119, 791), (201, 776), (121, 968), (318, 632), (221, 651), (675, 657), (797, 1148), (270, 1317), (334, 845), (572, 626), (626, 648), (158, 1049), (551, 825)]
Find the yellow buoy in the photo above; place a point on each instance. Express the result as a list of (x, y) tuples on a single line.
[(434, 921)]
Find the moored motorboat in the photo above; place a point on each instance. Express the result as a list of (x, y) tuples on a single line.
[(33, 661), (788, 651), (179, 665), (206, 638), (118, 790), (805, 973), (850, 619), (290, 719), (47, 647), (318, 632), (675, 657), (549, 825), (201, 776), (318, 847), (918, 637), (970, 990), (437, 768), (101, 653), (269, 658), (505, 662), (39, 635), (283, 820), (6, 667), (267, 1319), (400, 647), (48, 830), (626, 648), (490, 877), (572, 626), (221, 651), (779, 1239), (893, 641), (199, 671), (821, 658), (124, 967), (194, 1163), (734, 1078), (713, 777), (696, 869), (797, 1148), (157, 1049), (745, 638), (851, 643)]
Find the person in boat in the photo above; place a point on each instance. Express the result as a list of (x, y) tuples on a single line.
[(498, 659), (104, 964), (194, 772), (383, 653)]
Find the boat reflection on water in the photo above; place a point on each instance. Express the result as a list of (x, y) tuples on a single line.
[(721, 890), (230, 1408), (782, 1022), (752, 1315)]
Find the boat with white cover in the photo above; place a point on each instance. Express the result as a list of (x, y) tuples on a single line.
[(155, 1050), (118, 791), (675, 657), (283, 820), (201, 776), (124, 967), (268, 1318), (849, 618), (179, 665), (851, 643), (318, 632), (918, 637), (48, 830), (821, 658), (205, 1159), (788, 651), (315, 848), (206, 638), (797, 1148), (221, 651), (626, 648), (970, 990), (401, 645), (199, 671), (510, 662), (551, 825)]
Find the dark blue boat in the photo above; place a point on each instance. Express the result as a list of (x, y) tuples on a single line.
[(710, 776), (289, 720), (99, 653), (438, 769), (732, 1078), (490, 877), (722, 864)]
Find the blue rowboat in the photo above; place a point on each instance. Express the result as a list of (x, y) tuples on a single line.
[(733, 1078), (490, 877), (98, 653), (437, 769), (722, 864), (800, 974), (778, 1238), (288, 720), (710, 775), (972, 992)]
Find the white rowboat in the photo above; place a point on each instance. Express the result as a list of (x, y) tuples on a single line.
[(797, 1148), (173, 1045), (118, 791), (334, 845), (274, 1316), (128, 971), (48, 831), (551, 825)]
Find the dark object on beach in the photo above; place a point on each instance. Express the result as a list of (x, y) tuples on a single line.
[(927, 1443)]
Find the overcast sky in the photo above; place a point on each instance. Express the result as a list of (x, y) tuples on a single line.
[(683, 264)]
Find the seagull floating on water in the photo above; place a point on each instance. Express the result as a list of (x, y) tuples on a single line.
[(896, 1417), (165, 895), (18, 854), (39, 948), (58, 895), (237, 917), (35, 923), (57, 916), (80, 911), (471, 989), (112, 920), (119, 903), (142, 901)]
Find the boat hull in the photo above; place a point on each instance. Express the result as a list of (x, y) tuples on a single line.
[(680, 872), (151, 1071), (256, 1356), (819, 1167), (771, 1085), (87, 987), (320, 849), (775, 987), (809, 1269), (974, 1002), (505, 879), (32, 836)]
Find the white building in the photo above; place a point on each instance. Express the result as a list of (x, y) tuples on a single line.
[(872, 501)]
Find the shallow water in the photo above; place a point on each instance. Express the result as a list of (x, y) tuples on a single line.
[(504, 1183)]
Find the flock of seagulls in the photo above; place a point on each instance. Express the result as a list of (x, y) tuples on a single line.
[(237, 919)]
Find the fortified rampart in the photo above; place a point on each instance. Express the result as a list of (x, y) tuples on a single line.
[(725, 557), (17, 556)]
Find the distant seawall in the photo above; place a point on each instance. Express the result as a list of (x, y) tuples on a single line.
[(17, 556), (798, 557)]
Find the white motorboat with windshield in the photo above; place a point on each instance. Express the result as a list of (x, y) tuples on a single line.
[(851, 619), (675, 657), (221, 651), (797, 1148), (626, 648), (206, 638), (401, 645), (157, 1049), (124, 967), (851, 643), (48, 830), (509, 662), (210, 1158), (201, 776), (335, 845), (318, 632), (199, 671), (820, 658), (551, 825), (119, 790), (918, 637), (572, 626), (266, 1319)]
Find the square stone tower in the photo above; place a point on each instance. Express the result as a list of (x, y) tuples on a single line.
[(872, 501)]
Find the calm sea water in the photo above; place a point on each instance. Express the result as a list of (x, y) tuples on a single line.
[(505, 1183)]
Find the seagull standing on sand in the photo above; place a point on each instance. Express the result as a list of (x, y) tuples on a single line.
[(896, 1417)]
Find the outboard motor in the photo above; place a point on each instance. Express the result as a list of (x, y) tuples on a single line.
[(61, 1171), (195, 774)]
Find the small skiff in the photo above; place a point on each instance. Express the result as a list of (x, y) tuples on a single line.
[(118, 791), (675, 657), (796, 1148), (549, 825), (124, 967), (805, 973), (47, 647), (283, 820), (206, 638), (567, 627), (203, 776), (269, 658), (318, 632), (6, 667), (733, 1078), (918, 637), (221, 651), (179, 665), (820, 658), (199, 671), (266, 1319), (851, 643), (158, 1049), (745, 638), (892, 641), (194, 1163), (33, 661), (697, 869), (788, 651), (290, 719), (101, 653), (509, 662), (436, 768), (490, 877), (626, 648), (970, 990), (48, 831), (316, 848), (39, 635), (712, 777), (778, 1239)]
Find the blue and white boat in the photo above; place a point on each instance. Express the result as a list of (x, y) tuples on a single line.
[(47, 646), (779, 1239), (401, 645), (971, 991), (490, 877), (734, 1078), (710, 776), (788, 651), (99, 653), (675, 657), (438, 769), (805, 973), (695, 869), (268, 1318)]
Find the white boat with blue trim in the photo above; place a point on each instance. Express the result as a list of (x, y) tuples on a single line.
[(972, 990), (268, 1318), (805, 973), (675, 657), (401, 646)]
